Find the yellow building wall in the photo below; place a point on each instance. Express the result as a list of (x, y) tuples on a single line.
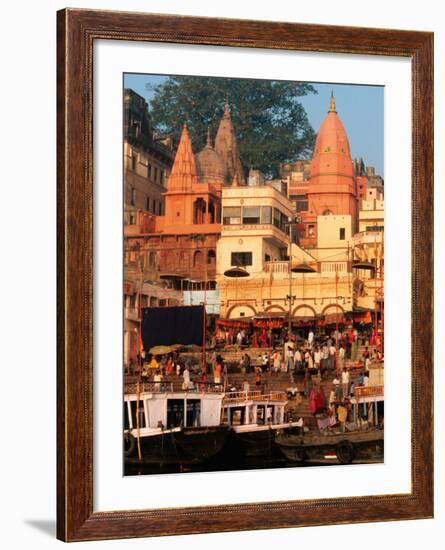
[(315, 294)]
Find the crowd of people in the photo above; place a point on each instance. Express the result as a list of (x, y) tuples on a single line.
[(308, 361), (315, 355)]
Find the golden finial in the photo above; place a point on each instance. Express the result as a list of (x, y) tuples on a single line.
[(332, 104)]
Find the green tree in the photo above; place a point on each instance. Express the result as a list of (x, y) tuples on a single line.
[(270, 123)]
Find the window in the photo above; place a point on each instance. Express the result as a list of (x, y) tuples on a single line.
[(162, 303), (375, 228), (161, 177), (133, 161), (160, 208), (198, 258), (147, 205), (232, 215), (276, 218), (211, 257), (301, 203), (149, 170), (156, 174), (241, 258), (266, 214), (266, 257), (133, 196), (152, 259), (311, 230), (342, 233), (251, 214), (154, 206), (279, 220)]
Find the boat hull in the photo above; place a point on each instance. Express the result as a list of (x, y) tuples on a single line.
[(347, 447), (185, 446), (256, 443)]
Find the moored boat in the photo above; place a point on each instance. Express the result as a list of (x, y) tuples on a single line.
[(254, 419), (172, 426), (345, 447)]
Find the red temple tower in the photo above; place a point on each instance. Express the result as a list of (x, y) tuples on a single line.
[(332, 187)]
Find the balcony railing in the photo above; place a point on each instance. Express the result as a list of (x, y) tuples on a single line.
[(368, 237), (334, 267), (242, 396), (276, 267)]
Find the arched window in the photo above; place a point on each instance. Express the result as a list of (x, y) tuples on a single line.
[(197, 258), (211, 257), (152, 259), (199, 210)]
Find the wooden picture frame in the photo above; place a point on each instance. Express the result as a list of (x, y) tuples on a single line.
[(77, 31)]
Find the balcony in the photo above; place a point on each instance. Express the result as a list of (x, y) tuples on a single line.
[(368, 237), (276, 267)]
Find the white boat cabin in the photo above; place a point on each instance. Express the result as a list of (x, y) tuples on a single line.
[(247, 408), (168, 411)]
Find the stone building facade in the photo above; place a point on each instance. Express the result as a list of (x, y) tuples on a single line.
[(147, 160)]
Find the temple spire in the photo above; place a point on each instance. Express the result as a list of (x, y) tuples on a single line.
[(208, 140), (183, 173), (227, 149), (332, 103), (226, 106)]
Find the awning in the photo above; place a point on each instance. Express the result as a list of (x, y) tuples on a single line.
[(270, 314), (363, 317), (304, 321), (334, 318), (232, 323), (270, 319)]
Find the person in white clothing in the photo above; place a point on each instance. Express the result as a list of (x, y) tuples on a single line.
[(366, 379), (157, 379), (186, 378), (345, 382), (341, 356), (317, 357), (310, 338)]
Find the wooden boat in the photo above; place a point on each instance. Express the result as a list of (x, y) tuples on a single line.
[(172, 426), (298, 446), (254, 419)]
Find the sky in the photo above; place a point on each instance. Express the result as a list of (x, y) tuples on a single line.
[(361, 109)]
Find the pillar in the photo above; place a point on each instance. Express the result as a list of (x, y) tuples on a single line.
[(247, 415)]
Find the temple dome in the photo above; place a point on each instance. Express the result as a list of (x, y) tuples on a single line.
[(210, 165), (332, 153)]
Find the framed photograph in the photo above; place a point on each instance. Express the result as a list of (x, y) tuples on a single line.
[(245, 229)]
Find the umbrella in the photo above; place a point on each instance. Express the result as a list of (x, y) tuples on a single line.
[(160, 350)]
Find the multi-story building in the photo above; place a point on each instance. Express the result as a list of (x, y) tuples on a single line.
[(214, 220), (174, 248), (256, 236), (297, 174), (368, 246), (147, 160)]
